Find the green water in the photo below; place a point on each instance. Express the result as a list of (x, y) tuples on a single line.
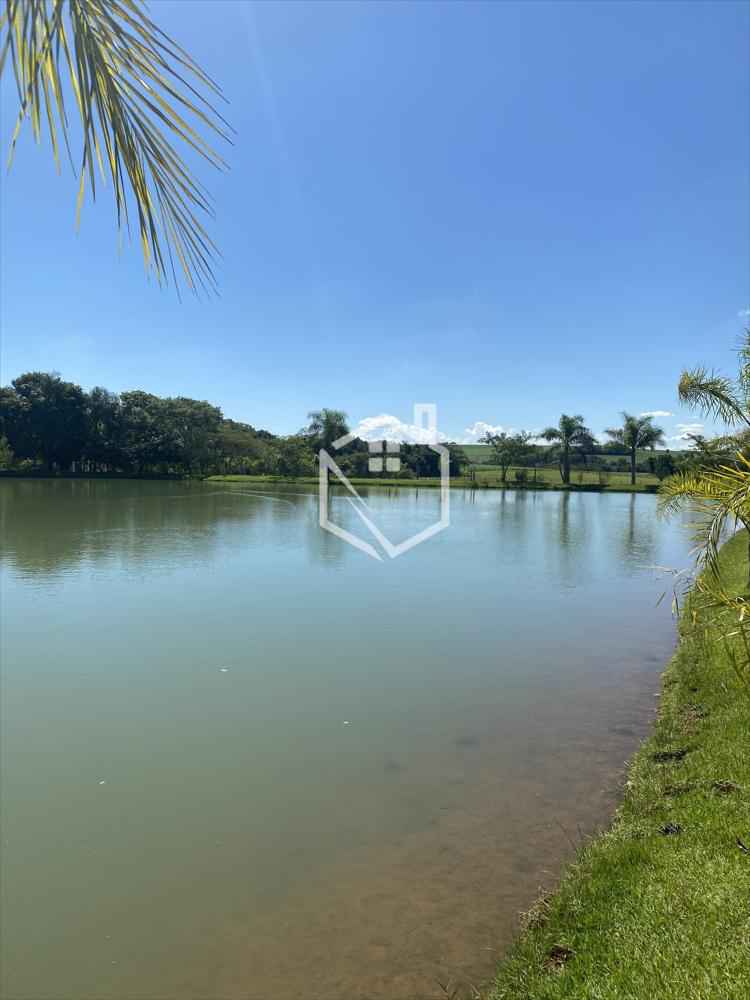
[(242, 759)]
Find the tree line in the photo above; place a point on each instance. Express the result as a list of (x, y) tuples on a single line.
[(49, 424), (572, 441)]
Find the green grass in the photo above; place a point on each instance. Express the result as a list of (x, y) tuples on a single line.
[(550, 476), (645, 913), (481, 453)]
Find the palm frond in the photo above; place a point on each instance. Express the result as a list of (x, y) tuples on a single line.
[(136, 93), (744, 373), (550, 434), (717, 495), (713, 394), (648, 435)]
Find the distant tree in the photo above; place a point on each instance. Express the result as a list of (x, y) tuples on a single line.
[(44, 418), (570, 434), (507, 449), (149, 440), (635, 433), (195, 425), (325, 427), (458, 459), (6, 454), (426, 463), (664, 465), (354, 462), (293, 458), (611, 448), (104, 439), (243, 449)]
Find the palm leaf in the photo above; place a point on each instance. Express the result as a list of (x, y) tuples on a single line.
[(713, 394), (718, 495), (139, 96)]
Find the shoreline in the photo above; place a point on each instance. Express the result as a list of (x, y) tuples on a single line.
[(656, 905), (457, 483)]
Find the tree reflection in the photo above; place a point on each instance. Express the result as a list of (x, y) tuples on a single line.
[(638, 544), (49, 526)]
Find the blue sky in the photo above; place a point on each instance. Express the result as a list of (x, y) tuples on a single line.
[(511, 210)]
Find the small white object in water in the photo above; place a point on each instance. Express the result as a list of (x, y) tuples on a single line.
[(102, 782), (346, 722), (224, 670)]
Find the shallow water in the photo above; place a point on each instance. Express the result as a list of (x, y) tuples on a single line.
[(242, 759)]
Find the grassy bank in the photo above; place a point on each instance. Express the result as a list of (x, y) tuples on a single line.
[(550, 476), (484, 479), (659, 906)]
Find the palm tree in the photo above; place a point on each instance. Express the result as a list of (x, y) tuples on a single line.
[(135, 91), (326, 426), (570, 433), (635, 433), (718, 494), (717, 490)]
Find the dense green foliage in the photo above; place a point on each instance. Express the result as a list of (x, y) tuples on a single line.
[(53, 425), (56, 425), (657, 906), (47, 423)]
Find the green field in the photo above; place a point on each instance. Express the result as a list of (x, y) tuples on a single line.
[(550, 476), (482, 453), (658, 906)]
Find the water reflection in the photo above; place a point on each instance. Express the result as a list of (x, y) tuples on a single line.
[(315, 764), (638, 536), (49, 526)]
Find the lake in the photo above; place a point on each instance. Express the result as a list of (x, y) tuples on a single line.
[(243, 759)]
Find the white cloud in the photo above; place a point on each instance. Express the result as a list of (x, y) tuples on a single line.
[(685, 430), (479, 428), (386, 427), (656, 413), (474, 434)]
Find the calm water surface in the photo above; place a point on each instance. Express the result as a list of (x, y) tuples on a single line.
[(242, 759)]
